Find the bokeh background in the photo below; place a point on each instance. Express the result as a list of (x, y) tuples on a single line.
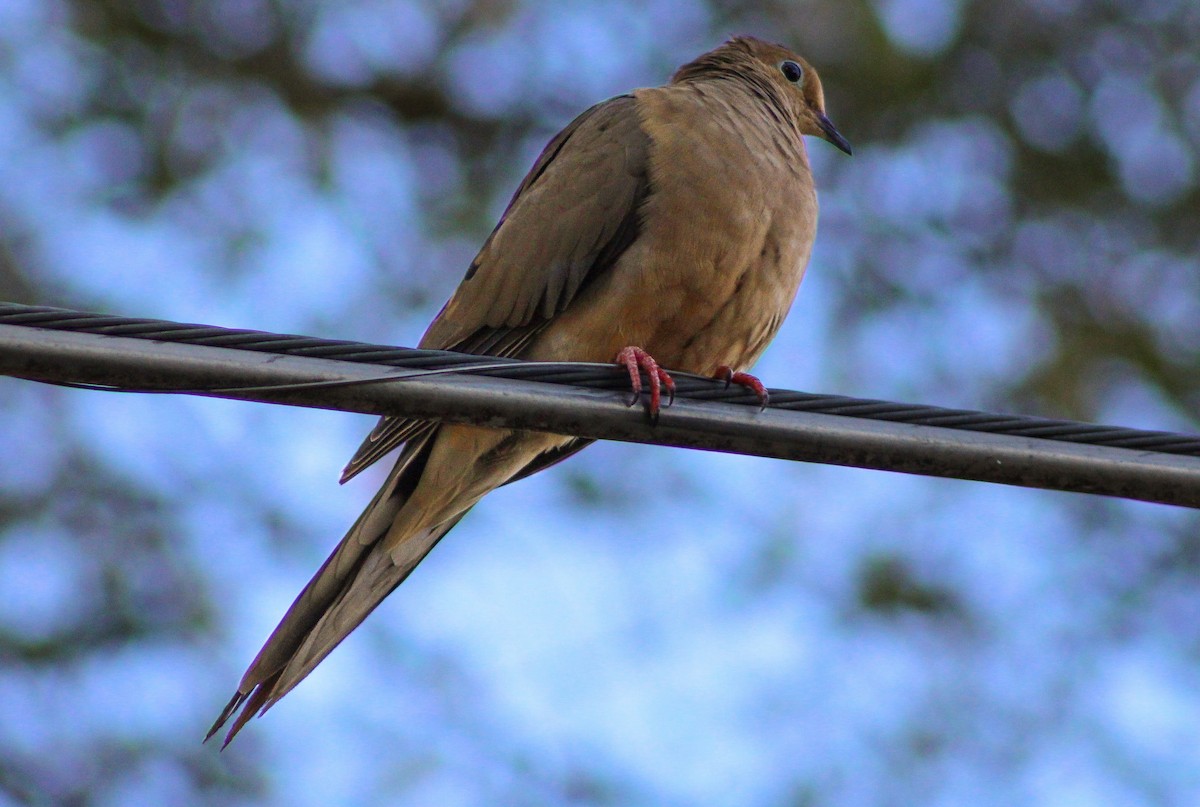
[(1017, 230)]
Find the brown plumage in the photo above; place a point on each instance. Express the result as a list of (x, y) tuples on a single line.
[(678, 219)]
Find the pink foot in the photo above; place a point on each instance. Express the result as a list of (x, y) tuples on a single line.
[(635, 360), (726, 373)]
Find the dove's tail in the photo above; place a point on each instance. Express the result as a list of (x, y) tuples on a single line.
[(348, 586)]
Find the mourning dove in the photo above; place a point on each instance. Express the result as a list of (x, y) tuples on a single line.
[(669, 225)]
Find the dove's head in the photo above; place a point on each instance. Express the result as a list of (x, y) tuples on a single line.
[(776, 73)]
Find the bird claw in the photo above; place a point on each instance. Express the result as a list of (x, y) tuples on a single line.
[(730, 376), (635, 361)]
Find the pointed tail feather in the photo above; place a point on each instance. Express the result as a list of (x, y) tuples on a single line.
[(354, 579), (378, 577), (361, 572)]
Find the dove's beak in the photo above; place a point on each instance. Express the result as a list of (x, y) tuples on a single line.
[(832, 134)]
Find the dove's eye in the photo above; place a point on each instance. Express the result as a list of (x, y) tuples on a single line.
[(792, 71)]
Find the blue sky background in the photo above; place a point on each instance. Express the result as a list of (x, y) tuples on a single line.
[(640, 625)]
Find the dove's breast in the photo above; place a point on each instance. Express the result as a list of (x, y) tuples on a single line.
[(725, 235)]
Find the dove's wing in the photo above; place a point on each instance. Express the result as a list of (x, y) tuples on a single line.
[(572, 217)]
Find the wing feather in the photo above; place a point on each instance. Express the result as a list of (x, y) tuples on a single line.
[(573, 216)]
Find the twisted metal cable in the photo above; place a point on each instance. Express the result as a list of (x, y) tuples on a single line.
[(597, 376)]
